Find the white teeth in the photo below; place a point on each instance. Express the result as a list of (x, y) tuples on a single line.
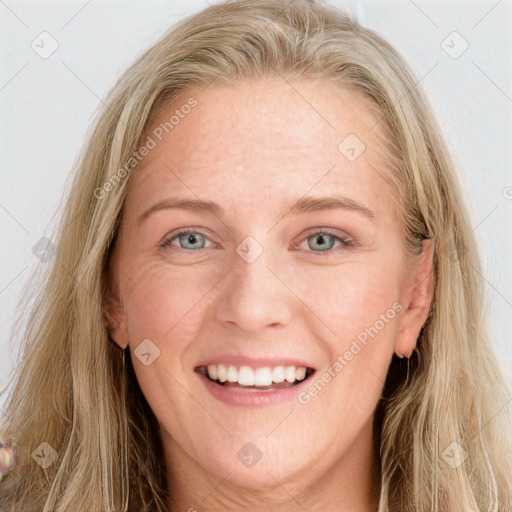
[(300, 373), (212, 371), (222, 372), (278, 374), (263, 376), (289, 373), (232, 375), (246, 376)]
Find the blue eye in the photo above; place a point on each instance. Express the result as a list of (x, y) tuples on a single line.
[(188, 239), (323, 242)]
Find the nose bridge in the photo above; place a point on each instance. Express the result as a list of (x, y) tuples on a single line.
[(254, 296)]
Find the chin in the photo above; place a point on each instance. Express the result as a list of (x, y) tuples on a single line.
[(259, 464)]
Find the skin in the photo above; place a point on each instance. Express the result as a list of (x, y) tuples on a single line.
[(251, 147)]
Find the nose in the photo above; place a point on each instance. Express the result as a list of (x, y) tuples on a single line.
[(255, 295)]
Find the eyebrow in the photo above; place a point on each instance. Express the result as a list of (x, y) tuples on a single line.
[(303, 205)]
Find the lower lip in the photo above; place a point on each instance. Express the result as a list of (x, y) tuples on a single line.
[(250, 398)]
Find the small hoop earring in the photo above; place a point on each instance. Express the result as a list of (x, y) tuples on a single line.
[(401, 356)]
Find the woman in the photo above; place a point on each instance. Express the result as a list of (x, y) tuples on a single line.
[(266, 294)]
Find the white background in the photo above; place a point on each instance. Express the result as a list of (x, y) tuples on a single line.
[(47, 104)]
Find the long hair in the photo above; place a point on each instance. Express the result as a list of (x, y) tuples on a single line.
[(441, 428)]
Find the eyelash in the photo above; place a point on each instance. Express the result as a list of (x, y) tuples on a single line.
[(346, 242)]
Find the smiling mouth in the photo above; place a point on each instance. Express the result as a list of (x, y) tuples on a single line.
[(261, 379)]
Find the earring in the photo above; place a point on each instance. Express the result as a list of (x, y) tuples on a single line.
[(401, 356)]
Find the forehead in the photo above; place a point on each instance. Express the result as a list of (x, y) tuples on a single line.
[(262, 140)]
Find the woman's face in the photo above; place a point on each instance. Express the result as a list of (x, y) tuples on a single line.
[(295, 258)]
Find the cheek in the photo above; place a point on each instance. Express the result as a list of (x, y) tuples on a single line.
[(164, 302), (171, 303), (359, 303), (349, 297), (166, 305)]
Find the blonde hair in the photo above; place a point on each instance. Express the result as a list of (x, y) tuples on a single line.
[(72, 389)]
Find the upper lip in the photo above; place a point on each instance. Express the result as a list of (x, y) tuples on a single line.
[(255, 362)]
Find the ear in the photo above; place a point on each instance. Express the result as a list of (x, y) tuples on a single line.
[(116, 320), (416, 299)]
